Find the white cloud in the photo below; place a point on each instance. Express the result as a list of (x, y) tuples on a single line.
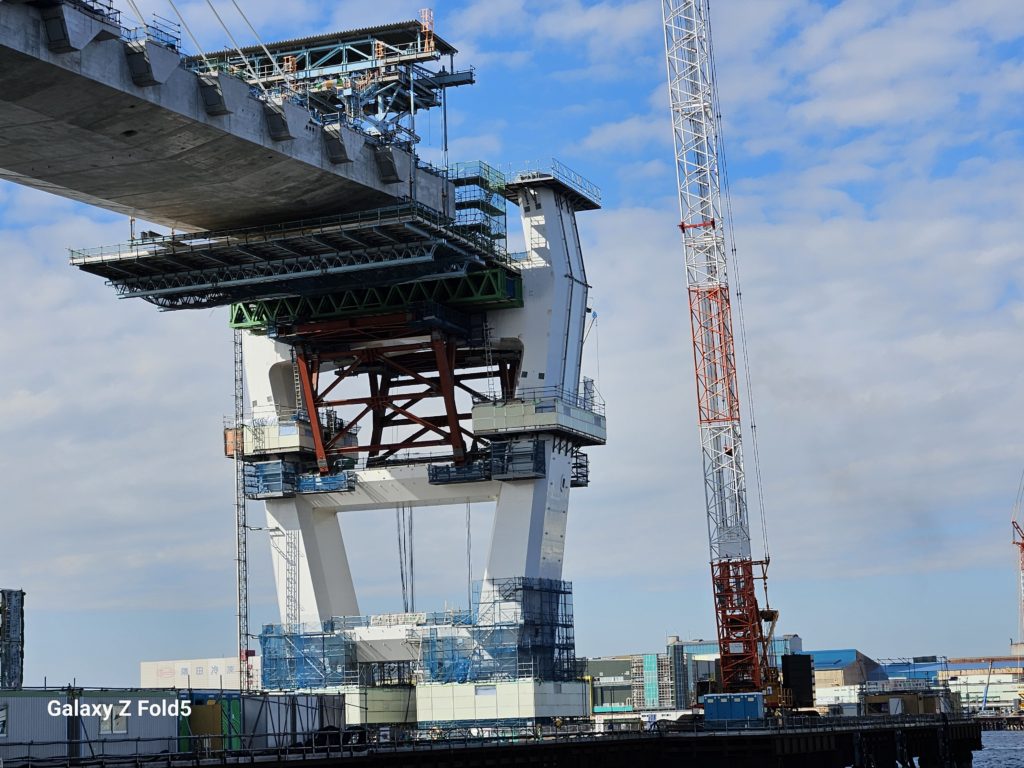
[(630, 136), (490, 19)]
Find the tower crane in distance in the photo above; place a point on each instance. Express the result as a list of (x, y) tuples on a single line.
[(745, 630)]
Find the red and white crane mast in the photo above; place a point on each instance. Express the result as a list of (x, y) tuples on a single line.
[(743, 644)]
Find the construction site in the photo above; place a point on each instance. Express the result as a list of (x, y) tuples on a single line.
[(391, 353)]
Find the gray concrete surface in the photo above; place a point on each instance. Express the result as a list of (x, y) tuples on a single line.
[(190, 153)]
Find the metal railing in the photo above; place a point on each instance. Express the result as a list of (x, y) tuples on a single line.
[(104, 9), (328, 744), (594, 404), (159, 30), (560, 171), (396, 214)]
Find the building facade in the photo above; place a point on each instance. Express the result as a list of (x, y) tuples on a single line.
[(700, 659), (220, 673)]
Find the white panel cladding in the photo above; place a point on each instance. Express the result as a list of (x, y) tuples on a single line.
[(543, 414), (29, 721), (528, 533), (219, 673), (550, 325), (528, 536), (389, 705), (500, 700), (147, 727), (33, 731)]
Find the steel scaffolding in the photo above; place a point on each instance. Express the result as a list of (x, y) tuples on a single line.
[(523, 629), (12, 637), (307, 660)]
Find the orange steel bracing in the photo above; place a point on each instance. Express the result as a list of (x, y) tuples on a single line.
[(714, 357), (740, 638), (403, 379), (743, 643), (427, 27)]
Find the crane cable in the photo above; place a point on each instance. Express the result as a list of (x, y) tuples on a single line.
[(188, 31), (406, 563), (138, 13), (245, 59), (1020, 498), (280, 72), (731, 233)]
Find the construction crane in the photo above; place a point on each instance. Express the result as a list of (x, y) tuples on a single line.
[(744, 629)]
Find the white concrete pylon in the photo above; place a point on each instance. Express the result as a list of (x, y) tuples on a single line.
[(325, 580), (528, 537)]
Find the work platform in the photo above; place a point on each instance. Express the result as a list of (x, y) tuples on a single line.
[(88, 113), (386, 246)]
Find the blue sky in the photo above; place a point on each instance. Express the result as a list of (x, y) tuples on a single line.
[(877, 166)]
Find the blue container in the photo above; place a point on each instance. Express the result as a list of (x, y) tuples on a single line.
[(720, 707)]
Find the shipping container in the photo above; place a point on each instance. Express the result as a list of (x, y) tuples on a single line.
[(139, 722), (720, 707), (37, 724), (30, 730)]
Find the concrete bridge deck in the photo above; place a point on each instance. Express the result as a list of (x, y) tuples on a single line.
[(125, 126)]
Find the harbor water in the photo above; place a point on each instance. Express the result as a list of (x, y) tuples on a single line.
[(1003, 749)]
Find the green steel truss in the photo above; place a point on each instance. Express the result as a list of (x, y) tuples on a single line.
[(487, 289)]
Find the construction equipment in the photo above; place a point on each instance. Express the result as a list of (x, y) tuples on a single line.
[(745, 631)]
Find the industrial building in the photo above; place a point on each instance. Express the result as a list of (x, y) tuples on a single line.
[(849, 683), (846, 666), (224, 673), (703, 666), (645, 682), (986, 684)]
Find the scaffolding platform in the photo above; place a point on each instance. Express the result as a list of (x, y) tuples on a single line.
[(283, 479), (299, 660), (581, 192), (506, 460), (382, 247), (428, 302), (12, 637), (523, 629), (480, 202), (551, 410)]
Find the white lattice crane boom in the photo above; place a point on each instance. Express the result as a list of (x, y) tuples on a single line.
[(743, 642)]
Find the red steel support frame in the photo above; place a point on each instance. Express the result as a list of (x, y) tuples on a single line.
[(309, 398), (740, 638), (389, 403)]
